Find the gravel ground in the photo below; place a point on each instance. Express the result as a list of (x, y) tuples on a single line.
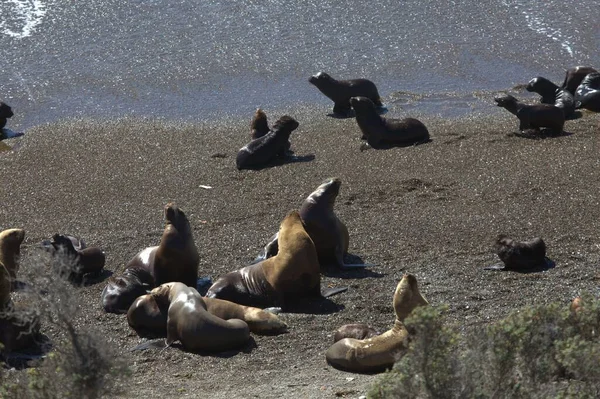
[(432, 210)]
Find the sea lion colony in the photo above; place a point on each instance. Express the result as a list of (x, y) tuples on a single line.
[(157, 289)]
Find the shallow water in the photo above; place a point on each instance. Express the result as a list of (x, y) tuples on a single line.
[(198, 60)]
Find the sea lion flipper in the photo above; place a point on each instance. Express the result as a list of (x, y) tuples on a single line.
[(151, 344), (326, 293), (497, 267)]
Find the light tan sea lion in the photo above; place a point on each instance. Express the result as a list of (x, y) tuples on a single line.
[(148, 314), (291, 274), (382, 351), (175, 259), (189, 322)]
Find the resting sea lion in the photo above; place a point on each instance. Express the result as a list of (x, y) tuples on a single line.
[(340, 91), (356, 331), (382, 351), (175, 259), (574, 76), (84, 260), (326, 230), (16, 333), (383, 132), (552, 94), (148, 314), (265, 149), (588, 93), (534, 116), (292, 273), (520, 256)]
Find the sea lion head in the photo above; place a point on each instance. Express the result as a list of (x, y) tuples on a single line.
[(319, 78), (505, 101), (148, 313), (10, 242), (286, 123), (361, 103), (407, 297), (5, 110), (532, 84), (174, 215), (120, 292), (328, 191)]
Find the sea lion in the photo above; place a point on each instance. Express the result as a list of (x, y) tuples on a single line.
[(260, 127), (534, 116), (552, 94), (5, 113), (574, 76), (381, 351), (291, 274), (189, 322), (356, 331), (84, 260), (520, 256), (148, 314), (340, 91), (10, 250), (174, 259), (588, 93), (326, 230), (263, 150), (383, 132)]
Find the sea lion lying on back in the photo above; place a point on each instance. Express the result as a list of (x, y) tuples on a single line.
[(174, 259), (381, 351), (383, 132), (552, 94), (84, 260), (148, 314), (291, 274), (587, 95), (263, 150), (534, 116), (340, 91), (327, 231), (574, 76)]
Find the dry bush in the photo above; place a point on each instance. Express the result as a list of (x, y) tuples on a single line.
[(536, 352), (79, 364)]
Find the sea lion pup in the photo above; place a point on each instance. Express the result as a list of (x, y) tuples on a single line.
[(84, 260), (174, 259), (340, 91), (291, 274), (383, 132), (588, 93), (552, 94), (328, 232), (148, 314), (263, 150), (189, 322), (382, 351), (574, 76), (260, 127), (356, 331), (520, 256), (533, 116)]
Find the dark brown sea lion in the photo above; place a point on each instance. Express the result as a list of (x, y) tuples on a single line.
[(260, 127), (291, 274), (588, 93), (552, 94), (262, 151), (381, 351), (5, 113), (340, 91), (383, 132), (534, 116), (574, 76), (327, 231), (520, 256), (356, 331), (84, 260), (175, 259), (189, 322), (16, 332), (148, 314)]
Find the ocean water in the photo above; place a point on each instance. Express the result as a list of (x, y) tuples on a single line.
[(200, 60)]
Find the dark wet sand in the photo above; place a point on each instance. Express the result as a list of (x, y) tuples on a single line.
[(432, 210)]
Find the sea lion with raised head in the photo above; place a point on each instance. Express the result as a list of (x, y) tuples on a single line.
[(148, 314), (574, 76), (174, 259), (552, 94), (260, 127), (328, 232), (263, 150), (587, 95), (84, 260), (520, 256), (383, 132), (291, 274), (340, 91), (533, 116), (381, 351)]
